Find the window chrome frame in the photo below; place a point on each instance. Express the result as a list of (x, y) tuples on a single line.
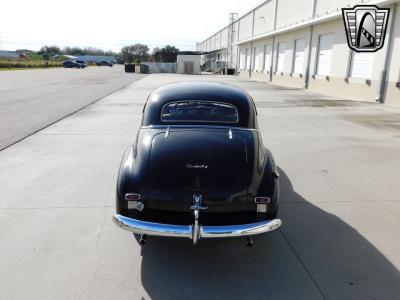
[(200, 121)]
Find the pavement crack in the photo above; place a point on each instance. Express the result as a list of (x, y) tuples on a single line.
[(98, 239), (303, 265)]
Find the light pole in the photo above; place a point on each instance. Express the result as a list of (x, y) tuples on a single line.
[(1, 42)]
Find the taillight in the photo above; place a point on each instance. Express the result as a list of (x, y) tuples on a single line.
[(262, 200), (132, 197)]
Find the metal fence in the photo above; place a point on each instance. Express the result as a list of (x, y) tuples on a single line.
[(153, 67)]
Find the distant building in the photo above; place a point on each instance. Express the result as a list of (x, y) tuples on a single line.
[(9, 54), (96, 58), (188, 62), (303, 43), (155, 67)]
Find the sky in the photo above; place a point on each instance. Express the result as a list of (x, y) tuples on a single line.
[(110, 25)]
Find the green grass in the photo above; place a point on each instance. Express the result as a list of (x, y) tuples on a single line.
[(21, 69), (16, 64)]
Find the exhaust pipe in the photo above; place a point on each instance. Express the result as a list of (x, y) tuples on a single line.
[(249, 242), (143, 239)]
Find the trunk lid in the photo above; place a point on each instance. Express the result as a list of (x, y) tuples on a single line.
[(185, 162)]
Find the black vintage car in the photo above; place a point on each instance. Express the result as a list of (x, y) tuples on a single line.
[(198, 168)]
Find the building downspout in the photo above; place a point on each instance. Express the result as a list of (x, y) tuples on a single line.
[(251, 45), (307, 75), (310, 39), (384, 74), (238, 48), (271, 67), (251, 58)]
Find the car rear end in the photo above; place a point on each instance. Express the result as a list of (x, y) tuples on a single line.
[(200, 178)]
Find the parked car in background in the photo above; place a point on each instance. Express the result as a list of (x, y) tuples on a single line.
[(72, 64), (82, 63), (105, 63), (198, 168)]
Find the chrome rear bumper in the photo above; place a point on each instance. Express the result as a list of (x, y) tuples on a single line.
[(195, 232)]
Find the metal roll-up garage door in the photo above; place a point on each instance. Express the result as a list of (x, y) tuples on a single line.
[(362, 64), (298, 68), (242, 59), (255, 59), (325, 54), (248, 58), (267, 58), (280, 62)]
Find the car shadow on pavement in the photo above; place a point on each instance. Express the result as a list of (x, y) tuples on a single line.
[(315, 255)]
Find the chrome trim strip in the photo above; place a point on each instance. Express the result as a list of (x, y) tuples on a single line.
[(198, 126), (167, 132), (195, 232), (199, 121), (239, 230), (142, 227)]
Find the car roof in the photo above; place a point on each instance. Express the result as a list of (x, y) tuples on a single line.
[(200, 90)]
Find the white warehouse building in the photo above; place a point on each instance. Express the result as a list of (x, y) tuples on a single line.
[(303, 43)]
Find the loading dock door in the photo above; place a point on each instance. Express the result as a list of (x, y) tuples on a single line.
[(280, 63), (188, 67), (362, 64), (299, 56), (242, 59), (255, 59), (259, 59), (267, 58), (248, 58), (325, 54)]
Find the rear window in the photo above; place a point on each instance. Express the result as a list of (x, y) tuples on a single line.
[(194, 111)]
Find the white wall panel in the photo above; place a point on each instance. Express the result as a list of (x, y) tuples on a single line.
[(264, 18), (213, 42), (235, 31), (246, 27), (290, 12), (327, 6), (224, 37)]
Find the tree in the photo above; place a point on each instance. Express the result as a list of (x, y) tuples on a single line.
[(135, 53), (49, 50), (166, 54), (73, 51), (155, 55)]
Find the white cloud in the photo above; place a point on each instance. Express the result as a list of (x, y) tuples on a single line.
[(112, 24)]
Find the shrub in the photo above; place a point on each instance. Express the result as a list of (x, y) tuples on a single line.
[(17, 64)]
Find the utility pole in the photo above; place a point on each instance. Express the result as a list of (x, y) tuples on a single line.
[(1, 42), (231, 32)]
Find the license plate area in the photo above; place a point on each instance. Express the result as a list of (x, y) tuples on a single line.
[(262, 208)]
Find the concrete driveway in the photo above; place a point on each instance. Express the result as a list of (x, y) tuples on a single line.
[(339, 162)]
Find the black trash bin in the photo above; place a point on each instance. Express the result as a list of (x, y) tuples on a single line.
[(231, 72), (130, 68)]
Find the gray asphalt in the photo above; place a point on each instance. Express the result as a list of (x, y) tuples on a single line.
[(32, 99), (339, 162)]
